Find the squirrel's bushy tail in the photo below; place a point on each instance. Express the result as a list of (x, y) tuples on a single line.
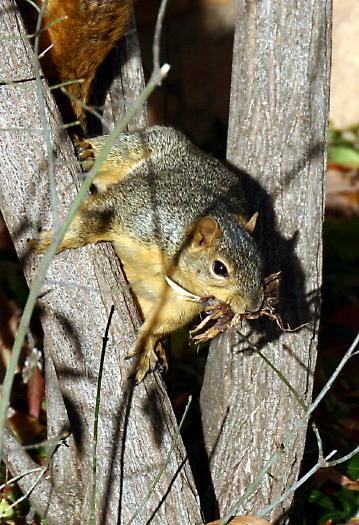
[(81, 33)]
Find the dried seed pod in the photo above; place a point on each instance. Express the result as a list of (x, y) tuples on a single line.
[(220, 317)]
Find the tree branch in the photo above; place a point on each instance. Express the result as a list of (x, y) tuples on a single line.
[(277, 142), (136, 426)]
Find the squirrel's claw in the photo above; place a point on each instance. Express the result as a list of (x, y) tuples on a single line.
[(40, 245), (148, 361), (85, 153)]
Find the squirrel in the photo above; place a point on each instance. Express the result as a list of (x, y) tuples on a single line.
[(173, 213)]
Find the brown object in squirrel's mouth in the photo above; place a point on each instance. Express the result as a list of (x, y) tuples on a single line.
[(224, 317)]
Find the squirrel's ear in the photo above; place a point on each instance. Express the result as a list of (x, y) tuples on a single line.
[(251, 224), (205, 231)]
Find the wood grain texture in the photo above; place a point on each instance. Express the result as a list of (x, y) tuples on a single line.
[(136, 425), (48, 501), (277, 138)]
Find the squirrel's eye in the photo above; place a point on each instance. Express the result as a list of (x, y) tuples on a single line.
[(220, 269)]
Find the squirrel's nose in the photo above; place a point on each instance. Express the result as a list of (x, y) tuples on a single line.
[(247, 303), (254, 302)]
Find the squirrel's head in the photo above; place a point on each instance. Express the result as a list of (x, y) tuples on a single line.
[(222, 260)]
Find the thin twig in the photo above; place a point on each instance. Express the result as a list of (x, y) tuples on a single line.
[(300, 423), (50, 454), (275, 369), (319, 441), (92, 514), (21, 130), (49, 443), (90, 289), (66, 83), (89, 109), (263, 512), (286, 382), (156, 47), (20, 476), (37, 32), (33, 4), (44, 121), (343, 458), (45, 51)]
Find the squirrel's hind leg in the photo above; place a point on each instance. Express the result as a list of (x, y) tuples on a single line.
[(91, 224)]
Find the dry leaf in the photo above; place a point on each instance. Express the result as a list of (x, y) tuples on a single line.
[(27, 429), (9, 320), (331, 474), (352, 485), (5, 239), (35, 392), (33, 377), (224, 318), (342, 191)]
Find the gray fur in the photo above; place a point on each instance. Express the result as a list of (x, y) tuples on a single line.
[(177, 185)]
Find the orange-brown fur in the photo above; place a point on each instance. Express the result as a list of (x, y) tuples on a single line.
[(81, 42)]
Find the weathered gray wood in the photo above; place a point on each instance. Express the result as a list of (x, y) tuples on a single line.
[(49, 502), (128, 83), (277, 134), (136, 425)]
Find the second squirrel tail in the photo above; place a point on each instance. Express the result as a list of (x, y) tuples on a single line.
[(80, 42)]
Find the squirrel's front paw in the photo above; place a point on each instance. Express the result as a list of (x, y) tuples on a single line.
[(41, 244), (148, 361), (85, 153)]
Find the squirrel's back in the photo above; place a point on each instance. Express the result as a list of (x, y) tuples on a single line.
[(177, 183), (163, 196)]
